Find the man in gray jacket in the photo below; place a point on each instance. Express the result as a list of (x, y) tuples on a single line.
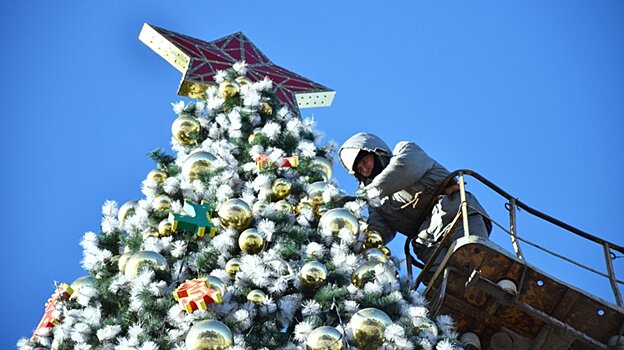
[(400, 184)]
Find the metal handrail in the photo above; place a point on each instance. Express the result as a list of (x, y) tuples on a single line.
[(513, 203)]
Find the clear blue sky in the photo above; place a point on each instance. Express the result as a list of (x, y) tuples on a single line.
[(529, 94)]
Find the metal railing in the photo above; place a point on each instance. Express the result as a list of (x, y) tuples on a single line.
[(512, 205)]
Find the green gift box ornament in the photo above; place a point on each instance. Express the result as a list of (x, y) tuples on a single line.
[(195, 218)]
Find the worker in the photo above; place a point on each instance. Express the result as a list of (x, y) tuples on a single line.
[(400, 185)]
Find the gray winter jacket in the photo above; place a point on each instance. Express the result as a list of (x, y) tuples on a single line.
[(406, 186)]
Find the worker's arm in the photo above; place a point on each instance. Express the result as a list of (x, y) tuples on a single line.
[(408, 164)]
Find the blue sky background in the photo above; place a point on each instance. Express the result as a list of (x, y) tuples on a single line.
[(529, 94)]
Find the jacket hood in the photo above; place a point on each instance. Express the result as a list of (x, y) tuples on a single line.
[(361, 141)]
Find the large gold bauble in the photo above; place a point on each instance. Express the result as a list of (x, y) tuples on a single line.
[(366, 273), (266, 109), (162, 203), (284, 206), (259, 208), (80, 282), (235, 213), (142, 258), (315, 192), (256, 296), (374, 239), (185, 129), (368, 327), (233, 266), (324, 338), (229, 88), (157, 176), (336, 219), (196, 163), (325, 166), (123, 261), (375, 255), (251, 241), (313, 274), (243, 81), (164, 228), (209, 335), (281, 188), (217, 284), (126, 210)]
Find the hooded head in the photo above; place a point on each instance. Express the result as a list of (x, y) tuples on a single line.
[(360, 145)]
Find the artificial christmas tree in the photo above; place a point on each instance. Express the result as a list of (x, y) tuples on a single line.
[(242, 241)]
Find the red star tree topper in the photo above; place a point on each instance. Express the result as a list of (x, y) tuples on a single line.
[(199, 61)]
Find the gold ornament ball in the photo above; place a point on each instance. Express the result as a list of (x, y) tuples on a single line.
[(426, 325), (229, 89), (315, 192), (304, 205), (80, 282), (284, 206), (259, 208), (313, 274), (157, 176), (253, 134), (196, 163), (165, 228), (368, 327), (243, 81), (185, 129), (366, 273), (321, 210), (325, 166), (373, 239), (385, 250), (324, 338), (162, 203), (126, 210), (266, 109), (123, 261), (235, 213), (209, 335), (281, 188), (251, 241), (256, 296), (139, 259), (375, 255), (217, 284), (336, 219), (233, 266)]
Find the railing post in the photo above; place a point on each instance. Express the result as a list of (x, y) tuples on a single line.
[(612, 279), (464, 203), (512, 229)]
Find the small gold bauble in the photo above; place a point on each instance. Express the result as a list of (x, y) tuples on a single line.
[(139, 259), (235, 213), (368, 327), (80, 282), (325, 166), (164, 228), (217, 284), (259, 208), (256, 296), (229, 89), (126, 210), (266, 109), (284, 206), (304, 205), (336, 219), (366, 273), (157, 176), (243, 81), (313, 274), (251, 241), (233, 266), (162, 203), (375, 255), (209, 335), (281, 188), (196, 163), (320, 210), (324, 338), (426, 325), (373, 239), (185, 129), (123, 261), (385, 250), (315, 192), (253, 135)]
